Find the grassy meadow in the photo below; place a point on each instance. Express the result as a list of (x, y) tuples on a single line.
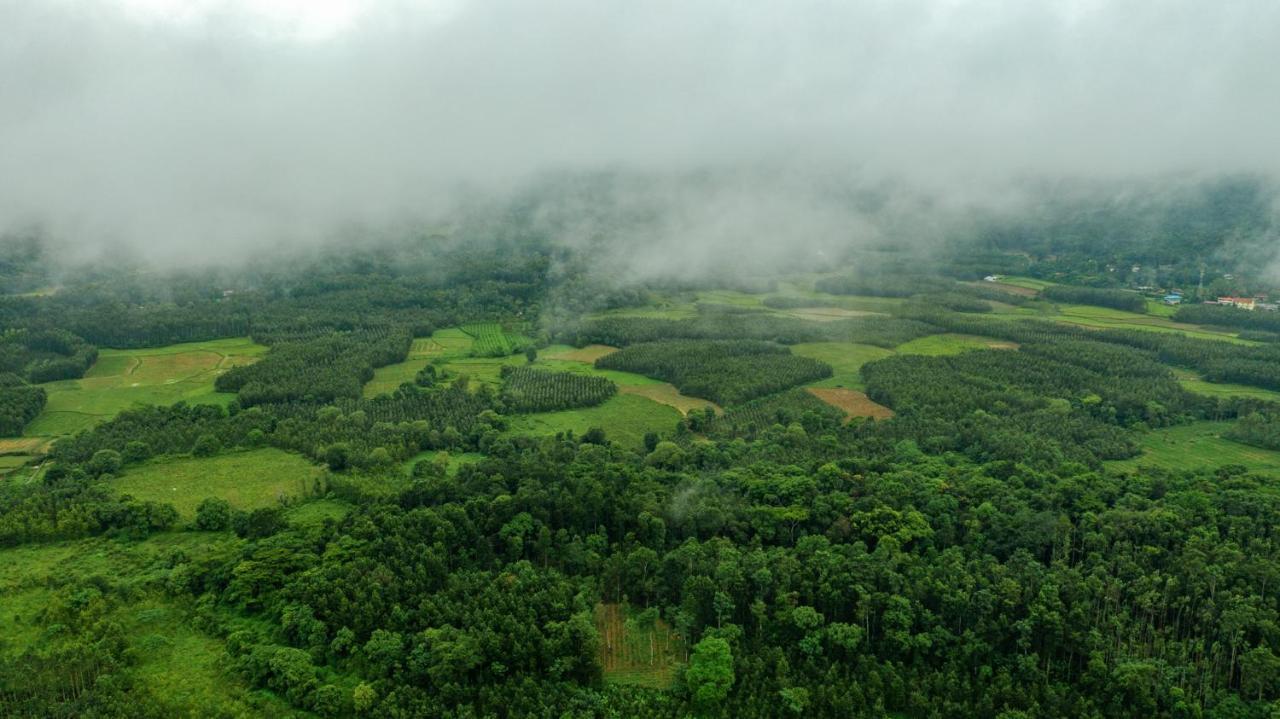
[(247, 480), (625, 418), (121, 379), (846, 360), (446, 343), (1199, 445)]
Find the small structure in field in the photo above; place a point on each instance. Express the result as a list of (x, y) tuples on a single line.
[(1173, 299)]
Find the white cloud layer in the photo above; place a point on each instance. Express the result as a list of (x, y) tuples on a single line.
[(201, 129)]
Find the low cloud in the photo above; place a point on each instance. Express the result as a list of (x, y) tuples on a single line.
[(207, 134)]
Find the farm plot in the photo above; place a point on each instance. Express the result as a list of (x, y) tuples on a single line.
[(452, 342), (852, 402), (489, 339), (782, 408), (525, 389), (666, 393), (123, 378)]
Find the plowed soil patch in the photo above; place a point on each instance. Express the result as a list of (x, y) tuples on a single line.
[(852, 402)]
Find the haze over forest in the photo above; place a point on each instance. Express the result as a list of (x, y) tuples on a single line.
[(205, 132)]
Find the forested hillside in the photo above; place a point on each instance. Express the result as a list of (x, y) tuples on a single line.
[(992, 543)]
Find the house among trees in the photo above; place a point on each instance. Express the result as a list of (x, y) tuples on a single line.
[(1244, 303), (1173, 298)]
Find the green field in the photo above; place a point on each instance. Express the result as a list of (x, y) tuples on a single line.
[(182, 668), (622, 379), (1160, 309), (625, 418), (123, 378), (1029, 283), (950, 344), (1105, 317), (483, 369), (1192, 381), (451, 342), (845, 358), (1198, 445), (490, 339), (258, 478), (316, 511)]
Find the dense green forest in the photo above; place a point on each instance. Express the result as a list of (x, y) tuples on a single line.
[(724, 371), (977, 551)]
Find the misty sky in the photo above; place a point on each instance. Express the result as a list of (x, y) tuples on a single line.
[(198, 129)]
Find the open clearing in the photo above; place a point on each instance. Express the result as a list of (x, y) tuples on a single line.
[(588, 354), (1199, 445), (23, 445), (618, 377), (455, 459), (666, 393), (951, 344), (852, 402), (1195, 383), (845, 358), (1026, 283), (625, 418), (247, 480), (121, 379), (636, 652), (628, 382), (452, 342)]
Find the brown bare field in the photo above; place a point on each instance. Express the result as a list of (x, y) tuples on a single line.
[(853, 402), (588, 354), (23, 445), (1001, 345), (635, 654), (666, 393)]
